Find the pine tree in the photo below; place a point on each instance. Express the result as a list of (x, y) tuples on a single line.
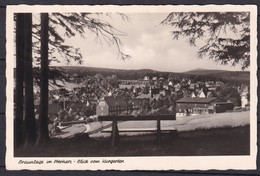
[(44, 80), (51, 41), (30, 124), (18, 121)]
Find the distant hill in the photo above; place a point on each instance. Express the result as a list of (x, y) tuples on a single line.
[(201, 71), (82, 69), (196, 74), (222, 74), (121, 73)]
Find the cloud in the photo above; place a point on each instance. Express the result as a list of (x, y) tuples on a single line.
[(150, 45)]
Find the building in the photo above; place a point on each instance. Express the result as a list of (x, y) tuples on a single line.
[(210, 84), (146, 78), (177, 87), (187, 106), (198, 94), (161, 78), (138, 103), (154, 78), (134, 82), (151, 95), (112, 106), (192, 86)]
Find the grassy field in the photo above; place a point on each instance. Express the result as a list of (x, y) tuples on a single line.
[(185, 123), (200, 142)]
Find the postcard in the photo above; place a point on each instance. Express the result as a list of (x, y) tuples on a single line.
[(167, 87)]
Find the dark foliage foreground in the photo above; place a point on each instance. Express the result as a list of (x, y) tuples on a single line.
[(201, 142)]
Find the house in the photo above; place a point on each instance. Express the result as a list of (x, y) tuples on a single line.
[(193, 95), (161, 78), (201, 94), (138, 103), (154, 78), (112, 106), (177, 87), (135, 83), (210, 94), (198, 94), (192, 86), (188, 105), (212, 88), (146, 78), (198, 84), (210, 84), (149, 96)]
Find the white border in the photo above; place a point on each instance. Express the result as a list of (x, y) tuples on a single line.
[(136, 163)]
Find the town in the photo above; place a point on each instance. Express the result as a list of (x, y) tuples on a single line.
[(75, 97), (116, 87)]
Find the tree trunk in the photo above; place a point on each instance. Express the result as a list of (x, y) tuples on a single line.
[(43, 116), (18, 121), (30, 124)]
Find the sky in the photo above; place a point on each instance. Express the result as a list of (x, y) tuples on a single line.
[(149, 44)]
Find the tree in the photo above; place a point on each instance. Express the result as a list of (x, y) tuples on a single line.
[(25, 126), (229, 92), (72, 23), (67, 25), (30, 124), (44, 103), (226, 34), (18, 121), (46, 42)]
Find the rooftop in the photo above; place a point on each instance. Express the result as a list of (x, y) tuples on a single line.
[(196, 100), (138, 100), (115, 101)]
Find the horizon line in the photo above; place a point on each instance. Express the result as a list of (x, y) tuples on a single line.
[(195, 69)]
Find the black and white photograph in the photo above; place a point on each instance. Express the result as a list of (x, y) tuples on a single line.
[(131, 87)]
